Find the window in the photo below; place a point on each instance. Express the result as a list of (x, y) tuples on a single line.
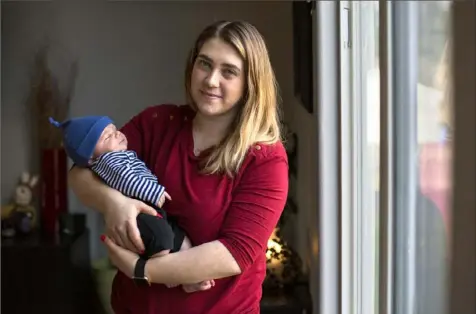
[(423, 131), (418, 133)]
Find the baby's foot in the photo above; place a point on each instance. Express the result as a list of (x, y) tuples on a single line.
[(201, 286)]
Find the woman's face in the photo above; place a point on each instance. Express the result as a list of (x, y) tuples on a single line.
[(218, 78)]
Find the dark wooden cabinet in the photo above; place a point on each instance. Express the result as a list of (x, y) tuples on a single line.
[(48, 276), (55, 276), (296, 300)]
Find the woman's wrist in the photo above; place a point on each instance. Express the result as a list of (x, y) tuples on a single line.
[(154, 270), (147, 271)]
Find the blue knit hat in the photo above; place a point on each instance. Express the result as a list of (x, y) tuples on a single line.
[(80, 136)]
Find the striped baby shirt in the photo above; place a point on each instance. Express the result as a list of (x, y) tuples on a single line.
[(125, 172)]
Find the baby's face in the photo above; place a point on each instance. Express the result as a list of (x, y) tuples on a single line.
[(111, 140)]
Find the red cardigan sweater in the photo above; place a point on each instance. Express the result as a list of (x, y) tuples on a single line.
[(241, 213)]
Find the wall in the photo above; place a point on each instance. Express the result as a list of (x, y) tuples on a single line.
[(131, 55)]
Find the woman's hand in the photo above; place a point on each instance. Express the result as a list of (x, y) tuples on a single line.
[(121, 223), (123, 259)]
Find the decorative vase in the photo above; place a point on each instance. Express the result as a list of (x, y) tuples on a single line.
[(54, 199)]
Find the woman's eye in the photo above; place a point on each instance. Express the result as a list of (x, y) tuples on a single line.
[(228, 73), (204, 63)]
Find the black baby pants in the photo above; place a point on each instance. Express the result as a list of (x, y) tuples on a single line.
[(159, 233)]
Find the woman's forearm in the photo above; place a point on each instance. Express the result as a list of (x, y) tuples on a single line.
[(90, 190), (208, 261)]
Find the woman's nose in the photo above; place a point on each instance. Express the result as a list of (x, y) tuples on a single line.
[(213, 79)]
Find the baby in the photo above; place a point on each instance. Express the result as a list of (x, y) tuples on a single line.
[(95, 142)]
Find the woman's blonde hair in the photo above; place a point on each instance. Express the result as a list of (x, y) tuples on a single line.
[(258, 118)]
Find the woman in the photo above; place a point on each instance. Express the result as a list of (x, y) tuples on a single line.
[(222, 161)]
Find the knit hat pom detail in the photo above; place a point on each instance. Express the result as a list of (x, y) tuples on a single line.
[(54, 122)]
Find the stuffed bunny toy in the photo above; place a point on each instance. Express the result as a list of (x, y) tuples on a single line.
[(20, 216)]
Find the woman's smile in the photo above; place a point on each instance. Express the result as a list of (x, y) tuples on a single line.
[(210, 96)]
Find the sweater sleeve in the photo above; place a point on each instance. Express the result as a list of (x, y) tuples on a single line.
[(257, 203), (129, 176)]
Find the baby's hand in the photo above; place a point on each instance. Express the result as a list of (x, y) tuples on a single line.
[(201, 286), (163, 198)]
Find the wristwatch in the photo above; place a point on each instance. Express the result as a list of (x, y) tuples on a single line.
[(139, 277)]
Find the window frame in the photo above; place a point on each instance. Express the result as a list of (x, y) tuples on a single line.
[(326, 65), (404, 35), (347, 163), (386, 186)]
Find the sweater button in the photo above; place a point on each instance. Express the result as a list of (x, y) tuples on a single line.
[(257, 147), (185, 118), (154, 115), (171, 117)]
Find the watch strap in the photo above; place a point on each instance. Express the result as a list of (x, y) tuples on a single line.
[(139, 270)]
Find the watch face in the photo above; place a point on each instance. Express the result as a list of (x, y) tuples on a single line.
[(141, 281)]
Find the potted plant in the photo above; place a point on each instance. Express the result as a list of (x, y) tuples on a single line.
[(46, 99)]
